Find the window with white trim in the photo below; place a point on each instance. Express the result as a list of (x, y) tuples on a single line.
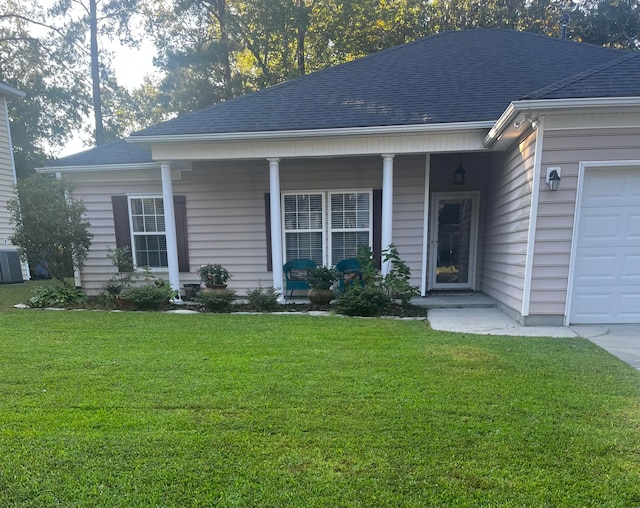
[(304, 226), (351, 214), (326, 227), (148, 236)]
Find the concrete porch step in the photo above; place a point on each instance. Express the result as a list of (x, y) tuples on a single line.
[(455, 300)]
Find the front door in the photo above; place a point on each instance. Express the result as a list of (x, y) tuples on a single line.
[(454, 232)]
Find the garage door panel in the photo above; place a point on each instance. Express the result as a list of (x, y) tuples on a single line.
[(606, 278), (629, 305), (631, 268)]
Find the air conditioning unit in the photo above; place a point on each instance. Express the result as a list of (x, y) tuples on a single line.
[(10, 268)]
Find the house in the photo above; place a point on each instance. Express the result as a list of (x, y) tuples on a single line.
[(446, 147), (11, 269)]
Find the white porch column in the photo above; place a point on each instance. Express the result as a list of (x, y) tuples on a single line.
[(425, 226), (276, 228), (170, 228), (387, 205)]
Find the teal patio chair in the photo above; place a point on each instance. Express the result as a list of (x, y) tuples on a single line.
[(296, 273), (349, 272)]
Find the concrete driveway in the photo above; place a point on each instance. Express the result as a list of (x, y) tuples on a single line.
[(622, 341)]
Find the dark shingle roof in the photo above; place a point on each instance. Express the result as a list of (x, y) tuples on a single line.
[(617, 78), (462, 76), (118, 152)]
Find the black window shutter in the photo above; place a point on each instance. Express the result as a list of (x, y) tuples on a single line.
[(377, 227), (267, 220), (120, 205), (180, 212)]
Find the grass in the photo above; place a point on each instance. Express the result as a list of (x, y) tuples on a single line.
[(140, 409)]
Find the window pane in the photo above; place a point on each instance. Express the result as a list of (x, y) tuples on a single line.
[(147, 216), (290, 221), (148, 206), (138, 224), (290, 204), (304, 245), (344, 245), (151, 250), (150, 224)]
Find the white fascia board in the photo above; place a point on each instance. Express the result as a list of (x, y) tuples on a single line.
[(540, 106), (11, 92), (99, 168), (312, 133)]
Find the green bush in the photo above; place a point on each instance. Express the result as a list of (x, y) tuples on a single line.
[(396, 282), (216, 302), (55, 296), (263, 299), (148, 297), (367, 301)]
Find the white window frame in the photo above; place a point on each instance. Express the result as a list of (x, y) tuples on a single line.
[(315, 230), (331, 230), (133, 234), (326, 219)]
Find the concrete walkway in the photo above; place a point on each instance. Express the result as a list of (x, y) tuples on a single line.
[(622, 341)]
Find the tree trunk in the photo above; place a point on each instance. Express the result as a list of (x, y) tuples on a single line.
[(95, 73), (224, 41), (302, 22)]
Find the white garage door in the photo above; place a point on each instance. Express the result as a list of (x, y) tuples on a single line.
[(606, 280)]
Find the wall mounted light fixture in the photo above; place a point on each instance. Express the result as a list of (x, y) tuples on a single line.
[(458, 174), (553, 178)]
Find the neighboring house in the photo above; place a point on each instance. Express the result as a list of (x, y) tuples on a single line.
[(443, 147), (11, 269)]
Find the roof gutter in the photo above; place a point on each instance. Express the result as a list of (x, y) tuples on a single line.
[(142, 166), (543, 105), (12, 92), (312, 133)]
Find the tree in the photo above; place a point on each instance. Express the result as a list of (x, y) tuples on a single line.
[(43, 65), (50, 227), (110, 18)]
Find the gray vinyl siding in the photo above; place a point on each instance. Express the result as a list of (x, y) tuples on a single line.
[(507, 223), (226, 212), (97, 200), (6, 176), (556, 210)]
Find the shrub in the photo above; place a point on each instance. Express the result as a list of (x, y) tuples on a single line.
[(322, 277), (263, 299), (357, 300), (55, 296), (213, 274), (396, 282), (148, 297), (216, 302)]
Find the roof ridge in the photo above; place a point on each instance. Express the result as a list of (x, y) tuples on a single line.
[(563, 83)]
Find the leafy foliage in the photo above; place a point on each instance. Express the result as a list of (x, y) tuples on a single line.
[(154, 296), (322, 277), (50, 227), (396, 282), (358, 300), (55, 296), (213, 274), (378, 292), (121, 258), (263, 299), (216, 301)]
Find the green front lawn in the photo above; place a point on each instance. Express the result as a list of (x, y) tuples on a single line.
[(141, 409)]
